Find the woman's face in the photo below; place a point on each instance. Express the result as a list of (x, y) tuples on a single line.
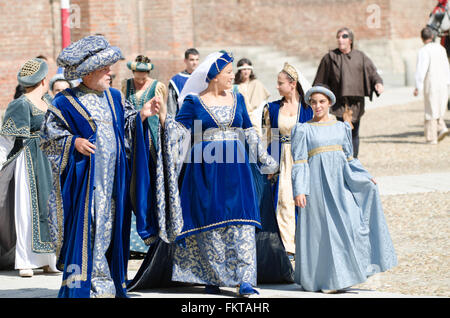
[(225, 78), (140, 77), (245, 73), (284, 86), (319, 104)]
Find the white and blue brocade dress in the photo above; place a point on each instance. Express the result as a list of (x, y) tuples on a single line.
[(218, 197), (342, 236)]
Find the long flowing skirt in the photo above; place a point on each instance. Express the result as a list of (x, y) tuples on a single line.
[(17, 220), (342, 236)]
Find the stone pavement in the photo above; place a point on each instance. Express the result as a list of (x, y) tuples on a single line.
[(47, 285)]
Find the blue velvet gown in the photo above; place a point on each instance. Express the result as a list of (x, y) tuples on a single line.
[(218, 195), (342, 236)]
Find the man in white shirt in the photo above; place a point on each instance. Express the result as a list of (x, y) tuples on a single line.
[(433, 76)]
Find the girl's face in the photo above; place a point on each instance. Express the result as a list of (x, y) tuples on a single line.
[(245, 73), (284, 86), (225, 78), (320, 105), (140, 77), (59, 86)]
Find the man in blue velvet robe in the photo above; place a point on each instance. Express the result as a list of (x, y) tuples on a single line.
[(98, 146)]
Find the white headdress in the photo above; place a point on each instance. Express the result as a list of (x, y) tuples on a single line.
[(197, 81)]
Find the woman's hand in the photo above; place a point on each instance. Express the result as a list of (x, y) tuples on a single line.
[(84, 146), (300, 200)]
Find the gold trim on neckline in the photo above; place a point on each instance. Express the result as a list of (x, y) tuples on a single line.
[(325, 123), (233, 111)]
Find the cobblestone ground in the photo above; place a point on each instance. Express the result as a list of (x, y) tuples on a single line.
[(392, 143)]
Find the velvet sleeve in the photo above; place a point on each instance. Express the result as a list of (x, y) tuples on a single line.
[(16, 121), (300, 168)]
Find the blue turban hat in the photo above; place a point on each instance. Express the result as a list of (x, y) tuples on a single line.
[(87, 55)]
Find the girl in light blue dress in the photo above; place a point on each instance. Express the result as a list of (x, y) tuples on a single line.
[(341, 236)]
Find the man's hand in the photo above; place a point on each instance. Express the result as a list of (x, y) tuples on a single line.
[(84, 147), (300, 200), (416, 92), (379, 88)]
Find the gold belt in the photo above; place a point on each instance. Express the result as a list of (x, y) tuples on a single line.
[(318, 150)]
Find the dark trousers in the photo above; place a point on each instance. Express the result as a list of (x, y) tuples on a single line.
[(355, 136)]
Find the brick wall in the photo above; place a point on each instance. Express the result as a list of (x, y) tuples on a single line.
[(26, 33), (163, 30), (304, 27)]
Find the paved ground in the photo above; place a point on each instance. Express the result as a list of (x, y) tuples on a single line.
[(414, 182), (47, 286)]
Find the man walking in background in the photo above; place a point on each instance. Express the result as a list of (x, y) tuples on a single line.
[(351, 75), (176, 84), (433, 76)]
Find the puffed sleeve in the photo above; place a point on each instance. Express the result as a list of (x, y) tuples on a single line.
[(161, 91), (354, 163), (300, 168), (123, 87), (265, 125)]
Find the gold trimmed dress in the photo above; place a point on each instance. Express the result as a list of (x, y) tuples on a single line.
[(342, 236)]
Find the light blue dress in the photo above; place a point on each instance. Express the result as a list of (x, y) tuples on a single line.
[(342, 236)]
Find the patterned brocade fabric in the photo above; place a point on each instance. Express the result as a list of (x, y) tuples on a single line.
[(234, 258)]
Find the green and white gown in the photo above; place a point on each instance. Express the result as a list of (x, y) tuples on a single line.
[(26, 181)]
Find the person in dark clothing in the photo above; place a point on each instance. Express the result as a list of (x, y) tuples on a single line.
[(351, 75)]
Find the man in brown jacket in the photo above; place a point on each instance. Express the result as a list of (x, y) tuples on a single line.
[(351, 76)]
